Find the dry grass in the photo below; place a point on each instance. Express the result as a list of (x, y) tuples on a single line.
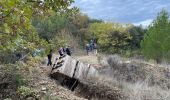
[(91, 59), (138, 80), (96, 89), (141, 91)]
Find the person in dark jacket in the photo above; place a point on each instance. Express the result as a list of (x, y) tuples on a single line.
[(68, 51), (49, 56)]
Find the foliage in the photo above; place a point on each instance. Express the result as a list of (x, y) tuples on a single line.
[(111, 37), (47, 28), (79, 27), (156, 41), (16, 31), (20, 80), (95, 21), (25, 92), (48, 96), (60, 30), (137, 34)]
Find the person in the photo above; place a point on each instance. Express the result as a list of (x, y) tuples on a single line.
[(91, 46), (87, 48), (60, 51), (49, 56), (64, 50), (95, 48), (68, 51)]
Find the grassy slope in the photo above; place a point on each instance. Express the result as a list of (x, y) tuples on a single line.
[(129, 79), (135, 79)]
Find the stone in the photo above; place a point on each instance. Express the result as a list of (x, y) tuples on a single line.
[(43, 89)]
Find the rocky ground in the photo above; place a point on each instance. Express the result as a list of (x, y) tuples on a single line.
[(47, 86)]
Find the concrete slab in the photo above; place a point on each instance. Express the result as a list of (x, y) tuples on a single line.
[(68, 66), (81, 71)]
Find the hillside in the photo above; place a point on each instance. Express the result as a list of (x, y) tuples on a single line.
[(118, 79), (124, 79), (105, 51), (34, 84)]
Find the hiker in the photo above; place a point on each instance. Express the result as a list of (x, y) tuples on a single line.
[(61, 51), (49, 56), (64, 50), (91, 45), (87, 48), (68, 51), (95, 48)]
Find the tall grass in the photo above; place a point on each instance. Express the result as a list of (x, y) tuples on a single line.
[(138, 80)]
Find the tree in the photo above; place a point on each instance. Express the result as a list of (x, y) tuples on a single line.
[(17, 33), (156, 43), (111, 37), (48, 28), (137, 34), (78, 26)]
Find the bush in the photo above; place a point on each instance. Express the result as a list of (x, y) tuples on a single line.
[(25, 92), (138, 80), (19, 80)]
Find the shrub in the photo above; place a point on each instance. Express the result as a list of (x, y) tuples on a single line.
[(25, 92)]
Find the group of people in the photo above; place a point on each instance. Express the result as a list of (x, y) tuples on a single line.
[(91, 47), (62, 51)]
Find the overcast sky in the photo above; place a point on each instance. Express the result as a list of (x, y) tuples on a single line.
[(125, 11)]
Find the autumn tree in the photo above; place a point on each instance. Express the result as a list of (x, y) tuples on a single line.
[(111, 37), (156, 43), (16, 31)]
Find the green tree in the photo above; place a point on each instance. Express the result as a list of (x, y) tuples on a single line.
[(156, 43), (111, 37), (78, 26), (17, 33), (48, 28), (137, 34)]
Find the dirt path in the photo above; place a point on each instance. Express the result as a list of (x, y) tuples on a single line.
[(91, 59)]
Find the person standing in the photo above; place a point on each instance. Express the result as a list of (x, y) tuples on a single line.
[(87, 48), (49, 56), (60, 51), (91, 45), (68, 51), (95, 48)]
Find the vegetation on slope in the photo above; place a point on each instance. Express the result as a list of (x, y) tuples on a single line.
[(31, 27)]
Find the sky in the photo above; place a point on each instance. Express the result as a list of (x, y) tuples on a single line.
[(124, 11)]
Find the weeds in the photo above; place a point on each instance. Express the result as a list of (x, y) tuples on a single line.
[(138, 80), (25, 92)]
